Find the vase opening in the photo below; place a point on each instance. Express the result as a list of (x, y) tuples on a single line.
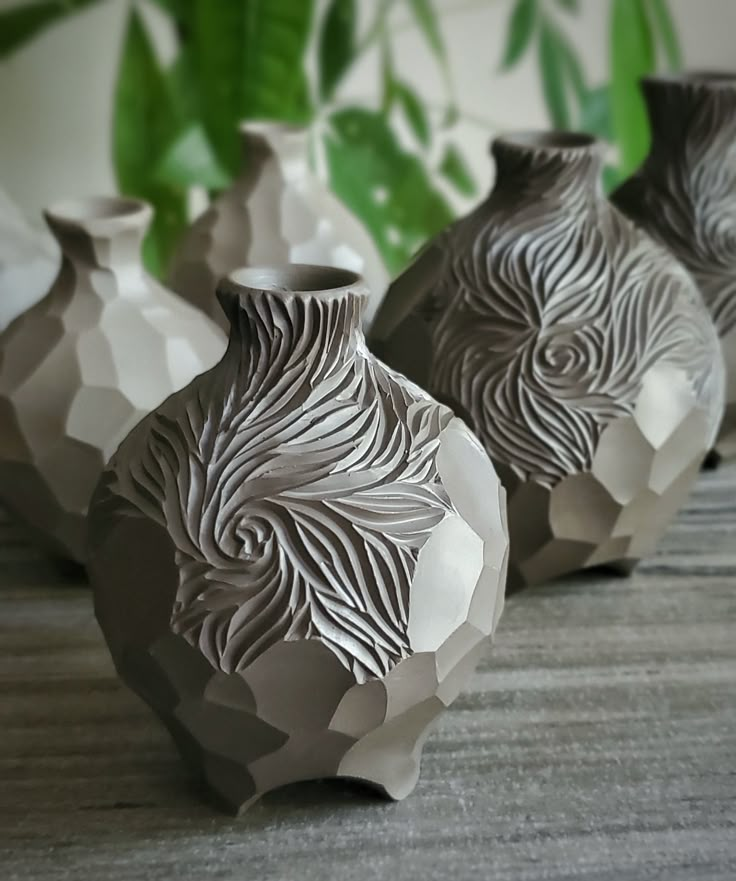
[(725, 78), (98, 214), (543, 140), (294, 279), (271, 127)]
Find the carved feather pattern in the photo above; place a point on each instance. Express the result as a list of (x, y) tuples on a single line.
[(297, 479), (547, 324), (685, 194)]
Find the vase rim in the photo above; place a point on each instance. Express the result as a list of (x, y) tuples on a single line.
[(294, 279), (99, 215), (704, 77), (548, 141)]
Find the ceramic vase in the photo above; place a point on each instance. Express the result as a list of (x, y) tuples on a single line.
[(321, 550), (29, 262), (276, 212), (576, 348), (684, 195), (79, 369)]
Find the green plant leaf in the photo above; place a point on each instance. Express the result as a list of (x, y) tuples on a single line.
[(612, 177), (595, 113), (145, 124), (552, 63), (23, 23), (426, 18), (249, 60), (191, 161), (519, 32), (454, 169), (414, 111), (632, 56), (336, 45), (664, 28), (388, 188)]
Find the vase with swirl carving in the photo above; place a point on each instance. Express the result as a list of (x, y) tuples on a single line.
[(276, 211), (321, 550), (101, 349), (684, 195), (576, 348)]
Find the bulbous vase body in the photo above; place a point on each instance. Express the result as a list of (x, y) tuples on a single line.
[(276, 212), (684, 195), (80, 368), (576, 348), (29, 262), (321, 550)]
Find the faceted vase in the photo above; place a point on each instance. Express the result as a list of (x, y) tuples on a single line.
[(321, 550), (79, 369), (577, 349), (276, 212), (29, 262), (684, 195)]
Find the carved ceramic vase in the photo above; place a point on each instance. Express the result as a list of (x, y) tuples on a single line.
[(684, 195), (80, 368), (577, 349), (29, 262), (276, 212), (321, 550)]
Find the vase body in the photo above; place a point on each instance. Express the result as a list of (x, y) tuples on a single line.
[(322, 550), (577, 349), (684, 195), (82, 366), (29, 262), (275, 212)]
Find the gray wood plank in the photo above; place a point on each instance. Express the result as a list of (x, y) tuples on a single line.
[(596, 741)]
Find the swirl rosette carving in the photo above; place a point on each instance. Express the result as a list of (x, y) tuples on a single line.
[(298, 482)]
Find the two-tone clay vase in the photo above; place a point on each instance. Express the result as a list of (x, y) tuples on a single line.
[(684, 195), (29, 262), (277, 211), (81, 367), (578, 350), (320, 550)]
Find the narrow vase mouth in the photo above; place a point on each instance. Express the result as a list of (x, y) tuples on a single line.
[(99, 214), (547, 141), (710, 78), (294, 280), (272, 128)]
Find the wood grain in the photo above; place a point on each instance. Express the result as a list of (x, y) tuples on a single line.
[(597, 741)]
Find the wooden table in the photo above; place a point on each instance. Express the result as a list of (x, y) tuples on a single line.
[(597, 741)]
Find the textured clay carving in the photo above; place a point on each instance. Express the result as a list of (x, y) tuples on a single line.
[(321, 550), (80, 368), (276, 212), (684, 195), (28, 263), (577, 349)]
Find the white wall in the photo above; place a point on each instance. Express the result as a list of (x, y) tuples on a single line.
[(55, 95)]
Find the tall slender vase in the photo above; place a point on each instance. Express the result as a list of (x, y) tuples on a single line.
[(80, 368), (321, 550), (684, 195), (577, 348), (276, 212)]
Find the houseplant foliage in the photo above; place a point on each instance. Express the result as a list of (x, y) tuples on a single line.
[(175, 124)]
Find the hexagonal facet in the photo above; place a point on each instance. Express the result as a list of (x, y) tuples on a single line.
[(321, 550), (79, 369)]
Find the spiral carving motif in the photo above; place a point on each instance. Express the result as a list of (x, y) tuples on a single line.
[(298, 489), (549, 323)]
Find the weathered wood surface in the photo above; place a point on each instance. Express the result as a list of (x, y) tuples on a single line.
[(597, 741)]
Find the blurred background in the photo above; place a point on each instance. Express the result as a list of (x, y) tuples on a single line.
[(401, 96)]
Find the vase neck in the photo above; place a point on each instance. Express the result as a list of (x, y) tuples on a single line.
[(687, 109), (264, 143), (548, 165), (100, 232), (293, 312)]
